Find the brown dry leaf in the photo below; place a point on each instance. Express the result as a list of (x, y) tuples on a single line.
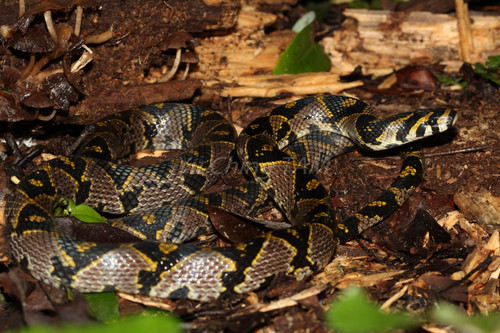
[(233, 228)]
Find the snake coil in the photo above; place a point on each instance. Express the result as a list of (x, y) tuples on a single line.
[(158, 196)]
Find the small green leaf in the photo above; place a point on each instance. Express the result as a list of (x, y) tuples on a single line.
[(6, 91), (159, 323), (86, 214), (302, 55), (450, 81), (67, 207), (150, 323), (103, 306), (493, 62), (352, 312), (490, 71)]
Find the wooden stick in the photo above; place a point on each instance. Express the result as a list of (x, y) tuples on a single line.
[(464, 33)]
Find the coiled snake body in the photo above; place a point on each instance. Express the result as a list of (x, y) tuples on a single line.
[(315, 128)]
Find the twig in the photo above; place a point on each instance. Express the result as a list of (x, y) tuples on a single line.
[(464, 30), (456, 151), (84, 59), (11, 142), (426, 155), (479, 267), (86, 133)]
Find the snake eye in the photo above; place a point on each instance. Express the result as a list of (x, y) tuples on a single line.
[(432, 122)]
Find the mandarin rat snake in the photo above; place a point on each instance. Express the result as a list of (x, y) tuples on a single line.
[(161, 196)]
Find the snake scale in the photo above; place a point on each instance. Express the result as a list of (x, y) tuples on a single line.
[(277, 149)]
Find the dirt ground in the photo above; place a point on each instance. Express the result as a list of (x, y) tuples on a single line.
[(440, 245)]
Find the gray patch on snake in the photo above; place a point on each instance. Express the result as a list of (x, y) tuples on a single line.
[(201, 273), (118, 268), (274, 258), (322, 244)]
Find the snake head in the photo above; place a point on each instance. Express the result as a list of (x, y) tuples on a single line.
[(429, 122), (404, 128)]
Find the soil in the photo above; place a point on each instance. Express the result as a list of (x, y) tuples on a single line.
[(429, 246)]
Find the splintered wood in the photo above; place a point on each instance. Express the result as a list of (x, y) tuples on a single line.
[(239, 63), (249, 56), (382, 40)]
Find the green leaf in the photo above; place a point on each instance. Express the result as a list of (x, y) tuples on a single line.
[(493, 62), (450, 81), (448, 314), (302, 55), (86, 214), (103, 306), (490, 71), (159, 323), (67, 207), (352, 312), (5, 90)]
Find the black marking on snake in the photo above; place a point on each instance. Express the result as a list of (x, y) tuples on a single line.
[(39, 184), (194, 181), (161, 170), (129, 199), (28, 217), (150, 184), (83, 191)]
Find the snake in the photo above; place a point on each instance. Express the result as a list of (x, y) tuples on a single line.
[(279, 151)]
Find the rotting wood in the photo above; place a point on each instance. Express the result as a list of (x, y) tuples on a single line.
[(480, 206), (380, 41), (108, 102), (249, 56), (273, 85)]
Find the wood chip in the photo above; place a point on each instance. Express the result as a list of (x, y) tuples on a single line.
[(394, 298), (372, 39), (293, 300), (299, 84), (160, 303), (481, 206)]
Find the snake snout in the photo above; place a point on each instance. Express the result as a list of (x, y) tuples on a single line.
[(447, 119), (454, 116), (438, 121)]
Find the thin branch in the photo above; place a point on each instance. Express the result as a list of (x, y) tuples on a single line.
[(456, 151), (426, 155)]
